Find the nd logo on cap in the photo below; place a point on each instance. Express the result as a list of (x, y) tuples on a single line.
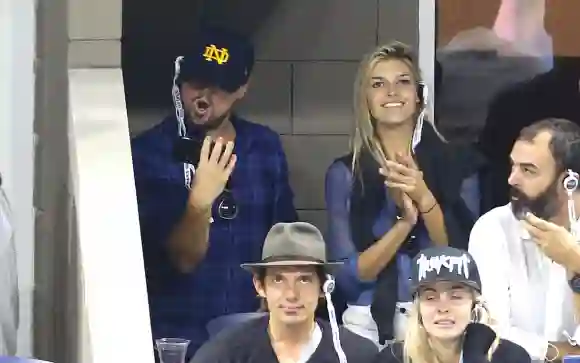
[(212, 53)]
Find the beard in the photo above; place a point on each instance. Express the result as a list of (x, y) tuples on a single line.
[(545, 205)]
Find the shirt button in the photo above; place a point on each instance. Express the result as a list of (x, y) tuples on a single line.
[(413, 237)]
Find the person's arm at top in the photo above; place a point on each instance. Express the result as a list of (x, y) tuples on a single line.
[(284, 210), (488, 246)]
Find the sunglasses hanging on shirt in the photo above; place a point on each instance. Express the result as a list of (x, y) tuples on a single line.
[(188, 152)]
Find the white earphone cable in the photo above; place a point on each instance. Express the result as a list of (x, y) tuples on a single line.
[(328, 288)]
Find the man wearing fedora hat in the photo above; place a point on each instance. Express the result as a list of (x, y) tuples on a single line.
[(291, 277)]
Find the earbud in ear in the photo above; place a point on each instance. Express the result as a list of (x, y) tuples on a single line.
[(474, 316), (571, 181), (329, 284), (177, 66), (423, 91), (476, 312)]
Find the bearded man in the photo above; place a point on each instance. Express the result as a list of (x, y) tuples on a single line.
[(527, 250)]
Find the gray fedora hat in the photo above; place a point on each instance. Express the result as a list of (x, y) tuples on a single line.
[(293, 244)]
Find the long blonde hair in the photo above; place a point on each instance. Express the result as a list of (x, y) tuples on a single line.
[(364, 133), (417, 347)]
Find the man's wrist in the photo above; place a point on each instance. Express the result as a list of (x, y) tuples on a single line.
[(573, 265), (197, 201), (196, 208)]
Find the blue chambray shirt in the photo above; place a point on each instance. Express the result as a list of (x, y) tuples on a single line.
[(182, 304)]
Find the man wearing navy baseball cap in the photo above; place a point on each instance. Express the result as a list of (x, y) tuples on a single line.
[(209, 187), (213, 75)]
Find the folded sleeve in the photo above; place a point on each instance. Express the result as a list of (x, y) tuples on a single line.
[(488, 246), (338, 185)]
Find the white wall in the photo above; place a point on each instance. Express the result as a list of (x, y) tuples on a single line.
[(17, 47), (113, 289)]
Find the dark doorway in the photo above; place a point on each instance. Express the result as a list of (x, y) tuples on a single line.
[(155, 32)]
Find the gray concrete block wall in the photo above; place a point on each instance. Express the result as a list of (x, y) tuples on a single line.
[(321, 43), (302, 87), (94, 29)]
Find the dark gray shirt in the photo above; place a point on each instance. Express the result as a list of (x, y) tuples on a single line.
[(250, 343)]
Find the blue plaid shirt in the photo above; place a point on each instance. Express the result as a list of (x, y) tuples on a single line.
[(338, 188), (182, 304)]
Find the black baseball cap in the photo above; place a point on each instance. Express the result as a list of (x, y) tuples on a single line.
[(444, 264), (218, 57)]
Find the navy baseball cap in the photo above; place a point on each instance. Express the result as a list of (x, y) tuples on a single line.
[(444, 264), (218, 58)]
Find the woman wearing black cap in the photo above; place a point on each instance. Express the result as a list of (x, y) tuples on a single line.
[(449, 321)]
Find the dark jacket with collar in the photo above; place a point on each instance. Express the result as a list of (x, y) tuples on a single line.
[(445, 167), (250, 343), (478, 339)]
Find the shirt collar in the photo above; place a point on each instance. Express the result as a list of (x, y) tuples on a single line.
[(311, 346), (244, 136)]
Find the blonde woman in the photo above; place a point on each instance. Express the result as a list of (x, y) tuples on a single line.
[(400, 190), (449, 321)]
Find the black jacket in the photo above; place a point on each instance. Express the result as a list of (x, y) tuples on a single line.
[(250, 343), (444, 168), (478, 339)]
